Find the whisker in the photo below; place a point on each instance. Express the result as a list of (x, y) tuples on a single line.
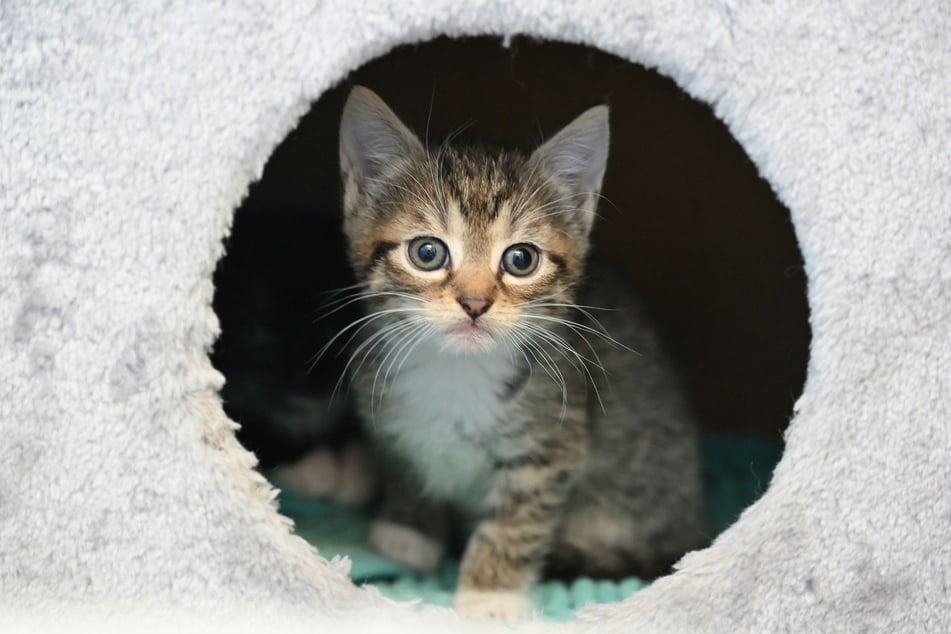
[(371, 342), (563, 347), (512, 342), (423, 336), (392, 353), (454, 134), (417, 339), (550, 368), (343, 302), (330, 294), (543, 304), (415, 194), (362, 320), (563, 344), (581, 327), (523, 202), (560, 209), (368, 345), (553, 202), (584, 310), (342, 289), (435, 178)]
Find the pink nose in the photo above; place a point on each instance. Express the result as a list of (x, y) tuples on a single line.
[(474, 306)]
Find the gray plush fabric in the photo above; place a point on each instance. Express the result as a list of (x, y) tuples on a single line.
[(129, 133)]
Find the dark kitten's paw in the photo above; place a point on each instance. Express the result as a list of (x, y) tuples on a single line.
[(344, 475)]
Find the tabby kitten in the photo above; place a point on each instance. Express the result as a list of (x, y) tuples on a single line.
[(486, 388)]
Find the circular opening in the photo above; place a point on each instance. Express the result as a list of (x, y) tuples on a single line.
[(685, 220)]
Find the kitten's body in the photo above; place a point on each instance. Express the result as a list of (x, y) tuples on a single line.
[(479, 379)]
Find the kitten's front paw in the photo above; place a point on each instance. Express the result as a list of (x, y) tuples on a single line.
[(405, 545), (498, 605)]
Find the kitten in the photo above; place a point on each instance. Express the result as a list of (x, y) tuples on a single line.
[(477, 368)]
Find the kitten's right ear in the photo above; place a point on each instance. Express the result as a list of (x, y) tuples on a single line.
[(578, 157), (372, 138)]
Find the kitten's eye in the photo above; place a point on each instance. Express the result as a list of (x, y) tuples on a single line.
[(428, 254), (520, 260)]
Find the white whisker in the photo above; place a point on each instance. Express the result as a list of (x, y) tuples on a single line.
[(418, 338), (548, 365), (562, 343), (559, 344), (343, 302), (578, 328), (391, 355), (367, 346), (365, 320), (523, 202)]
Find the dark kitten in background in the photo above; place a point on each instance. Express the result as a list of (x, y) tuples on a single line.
[(266, 299), (486, 378)]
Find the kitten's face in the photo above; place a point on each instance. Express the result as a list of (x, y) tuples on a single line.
[(472, 248)]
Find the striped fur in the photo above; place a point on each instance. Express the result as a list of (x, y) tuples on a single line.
[(566, 451)]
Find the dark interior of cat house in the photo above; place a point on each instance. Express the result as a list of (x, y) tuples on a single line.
[(685, 218)]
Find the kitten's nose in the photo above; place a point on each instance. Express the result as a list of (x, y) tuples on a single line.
[(474, 306)]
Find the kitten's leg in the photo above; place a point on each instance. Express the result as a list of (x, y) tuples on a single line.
[(410, 529), (506, 551)]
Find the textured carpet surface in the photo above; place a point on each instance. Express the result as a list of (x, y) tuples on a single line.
[(736, 471)]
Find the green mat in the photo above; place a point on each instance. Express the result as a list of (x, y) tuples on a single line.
[(736, 471)]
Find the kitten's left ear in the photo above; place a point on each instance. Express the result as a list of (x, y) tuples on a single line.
[(577, 157)]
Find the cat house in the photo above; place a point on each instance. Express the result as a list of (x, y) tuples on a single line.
[(132, 134)]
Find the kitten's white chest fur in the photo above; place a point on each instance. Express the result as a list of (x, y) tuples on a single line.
[(444, 412)]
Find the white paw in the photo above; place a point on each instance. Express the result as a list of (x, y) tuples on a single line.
[(405, 545), (499, 605)]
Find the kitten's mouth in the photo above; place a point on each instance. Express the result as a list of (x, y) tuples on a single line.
[(471, 334), (471, 329)]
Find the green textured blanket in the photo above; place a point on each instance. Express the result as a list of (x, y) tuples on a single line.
[(736, 471)]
